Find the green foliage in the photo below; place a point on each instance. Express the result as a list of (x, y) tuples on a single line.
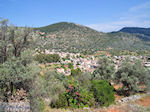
[(61, 102), (18, 70), (13, 74), (84, 79), (27, 57), (70, 65), (68, 57), (74, 97), (63, 59), (105, 70), (13, 40), (87, 98), (40, 58), (52, 58), (42, 105), (47, 58), (75, 72), (132, 75), (37, 105), (103, 92), (48, 86)]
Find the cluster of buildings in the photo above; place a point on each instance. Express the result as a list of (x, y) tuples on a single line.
[(119, 59), (89, 63), (83, 63)]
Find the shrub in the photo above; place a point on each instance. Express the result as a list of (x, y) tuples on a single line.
[(47, 86), (75, 72), (56, 57), (40, 58), (42, 105), (37, 105), (70, 65), (74, 97), (103, 92), (61, 102)]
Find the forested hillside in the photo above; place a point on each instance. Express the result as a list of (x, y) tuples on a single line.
[(145, 31)]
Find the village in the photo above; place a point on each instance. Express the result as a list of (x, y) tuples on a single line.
[(89, 63)]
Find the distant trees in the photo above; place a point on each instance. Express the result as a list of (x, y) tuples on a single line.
[(47, 58)]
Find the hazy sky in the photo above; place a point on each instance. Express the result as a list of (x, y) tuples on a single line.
[(102, 15)]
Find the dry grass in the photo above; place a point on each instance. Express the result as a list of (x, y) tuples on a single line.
[(144, 101)]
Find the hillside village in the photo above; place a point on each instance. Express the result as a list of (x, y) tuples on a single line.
[(71, 67), (89, 63)]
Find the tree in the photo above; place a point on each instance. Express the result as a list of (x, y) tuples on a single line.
[(14, 75), (3, 40), (132, 75), (19, 44), (105, 70), (13, 40)]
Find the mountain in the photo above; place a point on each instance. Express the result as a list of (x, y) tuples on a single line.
[(145, 31), (66, 29), (72, 37)]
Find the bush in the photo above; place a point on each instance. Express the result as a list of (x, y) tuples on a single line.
[(103, 92), (37, 105), (70, 65), (75, 72), (74, 97), (47, 86), (42, 105), (61, 102), (40, 58)]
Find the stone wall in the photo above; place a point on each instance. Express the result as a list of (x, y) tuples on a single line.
[(15, 107)]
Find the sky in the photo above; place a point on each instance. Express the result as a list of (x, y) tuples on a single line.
[(101, 15)]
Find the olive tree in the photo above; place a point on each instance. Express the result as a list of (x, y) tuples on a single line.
[(132, 76), (13, 40), (104, 70)]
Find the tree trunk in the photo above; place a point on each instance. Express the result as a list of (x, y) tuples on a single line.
[(11, 88)]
